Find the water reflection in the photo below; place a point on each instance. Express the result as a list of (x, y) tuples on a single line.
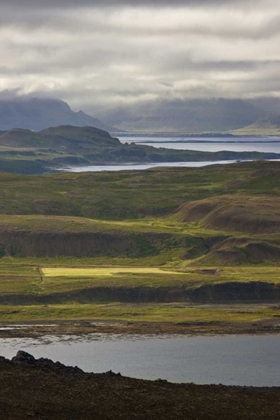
[(231, 360)]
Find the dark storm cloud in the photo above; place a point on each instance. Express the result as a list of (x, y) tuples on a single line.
[(100, 52), (223, 22)]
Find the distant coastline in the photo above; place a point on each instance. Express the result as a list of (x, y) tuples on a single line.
[(209, 141), (189, 135)]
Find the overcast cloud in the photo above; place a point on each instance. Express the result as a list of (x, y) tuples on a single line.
[(92, 54)]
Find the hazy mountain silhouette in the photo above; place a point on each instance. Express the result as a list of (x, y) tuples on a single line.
[(37, 114), (195, 115)]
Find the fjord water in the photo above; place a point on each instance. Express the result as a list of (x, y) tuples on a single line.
[(230, 360), (211, 144), (138, 167), (244, 144)]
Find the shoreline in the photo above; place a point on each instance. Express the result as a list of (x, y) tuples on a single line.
[(43, 389), (33, 329)]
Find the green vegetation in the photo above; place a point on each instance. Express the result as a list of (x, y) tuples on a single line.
[(127, 245), (134, 194), (126, 312), (92, 280)]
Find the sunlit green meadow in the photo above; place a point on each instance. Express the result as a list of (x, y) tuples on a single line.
[(48, 276), (167, 313)]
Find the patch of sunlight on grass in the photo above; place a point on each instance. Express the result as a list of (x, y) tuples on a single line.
[(102, 271)]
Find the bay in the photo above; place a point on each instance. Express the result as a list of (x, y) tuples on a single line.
[(230, 360), (267, 145), (138, 167), (202, 144)]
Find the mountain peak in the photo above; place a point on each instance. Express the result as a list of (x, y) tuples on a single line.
[(39, 113)]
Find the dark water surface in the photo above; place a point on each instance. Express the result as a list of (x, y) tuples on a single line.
[(230, 360)]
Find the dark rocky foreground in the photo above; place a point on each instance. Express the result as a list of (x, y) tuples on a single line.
[(41, 389)]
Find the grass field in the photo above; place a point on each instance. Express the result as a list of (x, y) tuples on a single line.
[(132, 195), (91, 241), (170, 313), (39, 277), (102, 271)]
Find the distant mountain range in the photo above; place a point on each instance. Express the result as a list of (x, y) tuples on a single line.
[(194, 116), (37, 114)]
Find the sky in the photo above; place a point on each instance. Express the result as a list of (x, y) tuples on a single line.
[(95, 54)]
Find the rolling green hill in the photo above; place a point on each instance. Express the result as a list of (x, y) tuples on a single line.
[(132, 245), (125, 214)]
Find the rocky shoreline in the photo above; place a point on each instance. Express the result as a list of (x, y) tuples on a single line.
[(43, 389), (85, 327)]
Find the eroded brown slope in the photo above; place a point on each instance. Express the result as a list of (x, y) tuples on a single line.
[(251, 214)]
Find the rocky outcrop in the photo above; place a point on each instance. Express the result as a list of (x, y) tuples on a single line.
[(23, 357), (26, 359)]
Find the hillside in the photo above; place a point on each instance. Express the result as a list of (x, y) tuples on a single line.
[(100, 245), (234, 212), (38, 113), (61, 138), (134, 194), (187, 116), (263, 126), (271, 105), (25, 151)]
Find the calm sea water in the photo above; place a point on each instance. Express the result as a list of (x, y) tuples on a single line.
[(230, 360), (242, 144), (133, 167), (268, 145)]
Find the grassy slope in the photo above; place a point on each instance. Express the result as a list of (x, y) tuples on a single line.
[(65, 204), (129, 195)]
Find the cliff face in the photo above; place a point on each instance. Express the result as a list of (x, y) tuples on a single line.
[(234, 292), (92, 244)]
